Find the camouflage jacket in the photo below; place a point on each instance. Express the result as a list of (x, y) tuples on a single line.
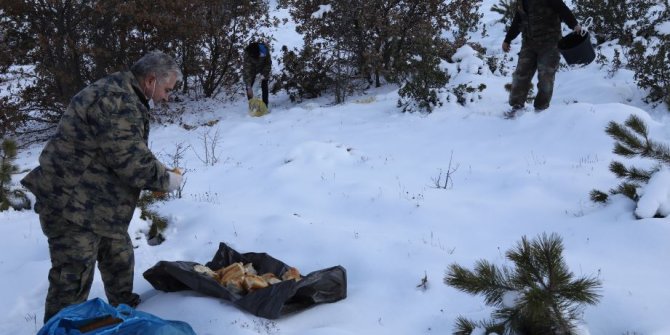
[(539, 21), (254, 66), (92, 170)]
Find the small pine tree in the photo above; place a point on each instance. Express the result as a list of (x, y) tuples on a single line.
[(632, 140), (464, 93), (304, 74), (16, 199), (356, 44), (615, 19), (421, 86), (648, 51), (158, 222), (538, 296), (464, 16), (650, 61), (506, 9), (615, 65)]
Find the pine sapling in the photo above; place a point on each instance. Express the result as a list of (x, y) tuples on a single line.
[(16, 199), (539, 295), (506, 9), (158, 222), (632, 140), (615, 65)]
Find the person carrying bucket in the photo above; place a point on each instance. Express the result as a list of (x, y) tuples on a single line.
[(539, 22)]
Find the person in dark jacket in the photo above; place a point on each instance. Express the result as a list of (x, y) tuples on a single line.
[(89, 179), (257, 61), (539, 22)]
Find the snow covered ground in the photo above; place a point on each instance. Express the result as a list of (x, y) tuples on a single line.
[(317, 185)]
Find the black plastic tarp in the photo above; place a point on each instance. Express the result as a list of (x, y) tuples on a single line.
[(289, 296)]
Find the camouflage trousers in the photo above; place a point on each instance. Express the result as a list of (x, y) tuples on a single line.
[(544, 61), (74, 251)]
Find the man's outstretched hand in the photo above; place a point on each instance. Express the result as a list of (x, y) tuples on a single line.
[(505, 47), (175, 179)]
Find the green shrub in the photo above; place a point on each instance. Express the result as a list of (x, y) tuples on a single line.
[(10, 198), (506, 9), (158, 223), (650, 59), (632, 140), (538, 296)]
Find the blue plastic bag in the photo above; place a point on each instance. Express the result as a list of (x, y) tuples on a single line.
[(98, 317)]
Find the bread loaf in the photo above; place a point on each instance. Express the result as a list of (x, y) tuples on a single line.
[(232, 272), (271, 278), (243, 278), (235, 285), (254, 282), (291, 273)]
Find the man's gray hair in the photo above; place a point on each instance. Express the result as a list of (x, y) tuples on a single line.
[(158, 63)]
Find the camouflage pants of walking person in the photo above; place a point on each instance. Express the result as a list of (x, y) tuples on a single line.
[(74, 251), (544, 61)]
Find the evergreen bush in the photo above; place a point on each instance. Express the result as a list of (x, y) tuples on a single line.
[(419, 93), (506, 9), (465, 93), (73, 43), (632, 140), (633, 23), (650, 59), (422, 85), (304, 73), (353, 45), (10, 198), (609, 18), (158, 222), (538, 296), (464, 17), (12, 116)]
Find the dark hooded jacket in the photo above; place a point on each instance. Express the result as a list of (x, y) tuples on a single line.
[(539, 21), (255, 63)]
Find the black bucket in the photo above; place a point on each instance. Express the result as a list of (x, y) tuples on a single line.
[(577, 49)]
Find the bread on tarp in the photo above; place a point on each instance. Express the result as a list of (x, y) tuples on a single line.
[(291, 273), (243, 278)]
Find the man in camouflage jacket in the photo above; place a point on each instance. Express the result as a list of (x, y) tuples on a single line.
[(257, 61), (89, 178), (539, 21)]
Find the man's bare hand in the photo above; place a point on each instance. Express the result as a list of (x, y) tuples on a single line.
[(505, 47), (250, 93)]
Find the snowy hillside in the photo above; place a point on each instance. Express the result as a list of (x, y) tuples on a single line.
[(317, 185)]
